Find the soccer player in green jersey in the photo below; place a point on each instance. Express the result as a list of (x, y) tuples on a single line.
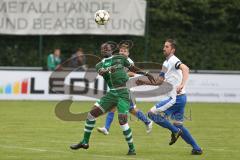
[(124, 47), (112, 68)]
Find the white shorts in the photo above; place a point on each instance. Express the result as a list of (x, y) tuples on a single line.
[(163, 105)]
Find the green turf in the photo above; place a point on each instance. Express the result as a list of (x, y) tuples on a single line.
[(30, 130)]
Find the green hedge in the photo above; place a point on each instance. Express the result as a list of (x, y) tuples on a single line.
[(207, 32)]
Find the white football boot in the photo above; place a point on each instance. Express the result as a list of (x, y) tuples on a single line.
[(149, 127), (103, 130)]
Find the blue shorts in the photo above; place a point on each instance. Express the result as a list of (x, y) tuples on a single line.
[(176, 111)]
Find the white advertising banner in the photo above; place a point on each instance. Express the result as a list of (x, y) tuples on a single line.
[(213, 88), (41, 85), (32, 85), (54, 17)]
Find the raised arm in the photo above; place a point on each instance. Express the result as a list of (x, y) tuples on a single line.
[(158, 81), (137, 70)]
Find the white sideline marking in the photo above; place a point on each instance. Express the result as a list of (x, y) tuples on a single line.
[(108, 156), (120, 157), (31, 149), (211, 149)]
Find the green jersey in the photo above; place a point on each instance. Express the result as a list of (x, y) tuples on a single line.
[(52, 62), (119, 77)]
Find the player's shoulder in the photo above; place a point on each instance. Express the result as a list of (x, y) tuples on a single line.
[(99, 64), (174, 58), (50, 55), (119, 56), (175, 61)]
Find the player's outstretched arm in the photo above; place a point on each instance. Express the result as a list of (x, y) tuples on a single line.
[(158, 81), (137, 70)]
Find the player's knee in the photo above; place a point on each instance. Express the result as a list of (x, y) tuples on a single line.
[(177, 123), (151, 115), (122, 118), (153, 110), (90, 117), (133, 111), (95, 112), (156, 117), (113, 109)]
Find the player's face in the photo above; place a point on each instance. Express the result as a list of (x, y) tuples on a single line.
[(57, 52), (124, 51), (167, 49), (106, 50)]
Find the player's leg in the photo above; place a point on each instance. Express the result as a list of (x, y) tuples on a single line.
[(127, 132), (109, 118), (123, 108), (100, 107), (89, 125), (156, 115), (108, 122), (178, 117), (140, 115), (187, 137)]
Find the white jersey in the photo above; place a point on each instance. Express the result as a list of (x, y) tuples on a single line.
[(130, 61), (132, 97), (173, 74)]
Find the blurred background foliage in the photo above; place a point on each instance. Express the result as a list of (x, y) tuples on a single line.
[(207, 32)]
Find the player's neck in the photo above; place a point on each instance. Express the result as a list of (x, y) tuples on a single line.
[(169, 56), (107, 55)]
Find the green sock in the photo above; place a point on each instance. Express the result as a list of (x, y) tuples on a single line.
[(89, 125), (128, 138)]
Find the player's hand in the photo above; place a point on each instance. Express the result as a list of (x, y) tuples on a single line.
[(179, 88), (111, 69), (102, 71), (131, 74), (151, 78), (139, 82)]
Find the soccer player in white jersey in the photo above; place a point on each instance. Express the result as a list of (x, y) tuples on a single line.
[(176, 73), (124, 47)]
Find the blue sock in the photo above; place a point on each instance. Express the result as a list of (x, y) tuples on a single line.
[(140, 115), (109, 120), (161, 121), (186, 136)]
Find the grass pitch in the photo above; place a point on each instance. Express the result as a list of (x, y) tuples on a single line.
[(30, 130)]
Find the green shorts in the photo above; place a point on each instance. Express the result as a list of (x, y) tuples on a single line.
[(119, 98)]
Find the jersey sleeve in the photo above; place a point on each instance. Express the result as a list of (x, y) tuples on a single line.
[(126, 63), (175, 62), (164, 69), (123, 60), (130, 61)]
